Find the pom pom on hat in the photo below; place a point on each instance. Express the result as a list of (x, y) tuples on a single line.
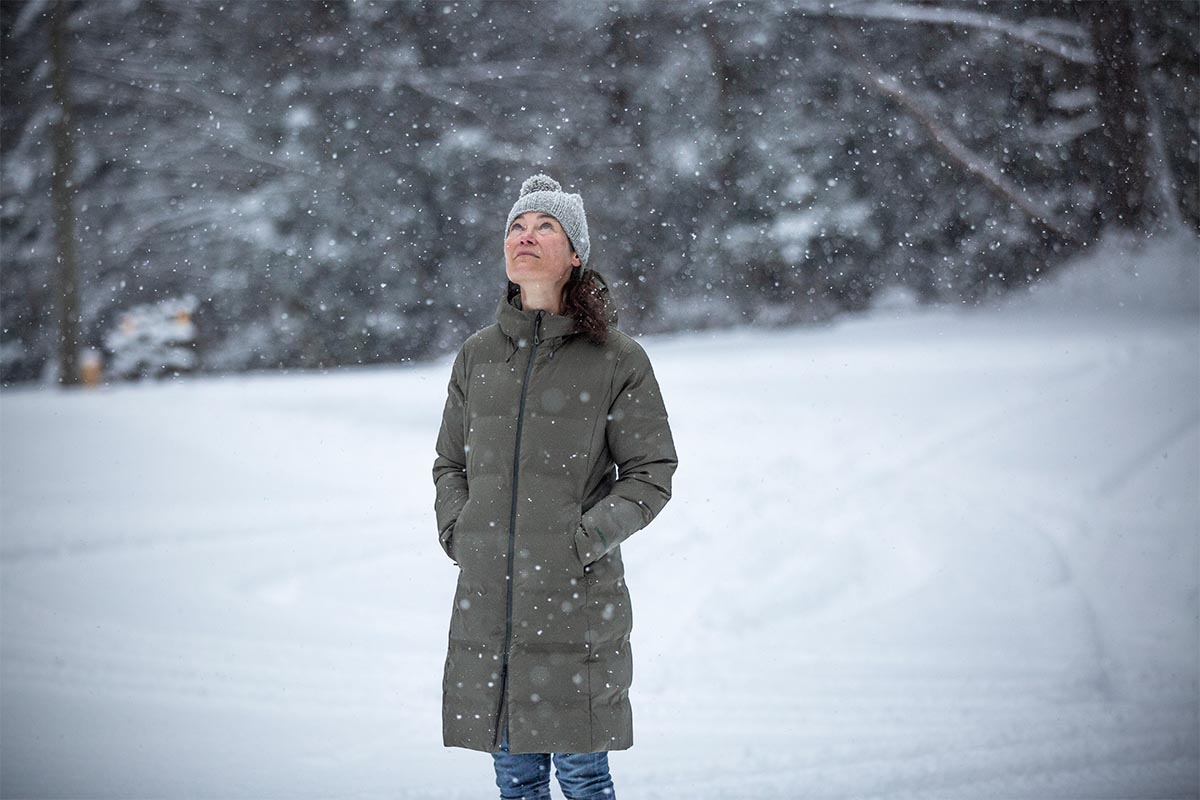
[(540, 183)]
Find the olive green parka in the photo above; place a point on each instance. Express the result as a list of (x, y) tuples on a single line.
[(552, 451)]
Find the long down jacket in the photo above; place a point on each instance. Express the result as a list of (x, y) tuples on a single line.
[(553, 450)]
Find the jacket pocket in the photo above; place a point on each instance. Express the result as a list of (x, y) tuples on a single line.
[(446, 540), (585, 548)]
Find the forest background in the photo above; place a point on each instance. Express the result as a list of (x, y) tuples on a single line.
[(320, 184)]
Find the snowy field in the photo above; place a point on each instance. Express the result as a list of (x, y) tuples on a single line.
[(913, 554)]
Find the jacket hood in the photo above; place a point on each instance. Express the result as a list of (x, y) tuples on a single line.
[(517, 322)]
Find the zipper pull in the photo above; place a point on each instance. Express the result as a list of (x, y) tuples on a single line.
[(537, 325)]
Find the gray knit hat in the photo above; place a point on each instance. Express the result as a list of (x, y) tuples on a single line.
[(543, 193)]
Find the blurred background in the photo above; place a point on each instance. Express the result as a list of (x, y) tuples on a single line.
[(225, 186)]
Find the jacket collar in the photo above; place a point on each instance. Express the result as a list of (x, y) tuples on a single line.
[(517, 322)]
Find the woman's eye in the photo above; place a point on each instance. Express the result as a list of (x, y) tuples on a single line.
[(547, 225)]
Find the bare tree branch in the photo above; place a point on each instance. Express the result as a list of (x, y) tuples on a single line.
[(971, 162), (1064, 39)]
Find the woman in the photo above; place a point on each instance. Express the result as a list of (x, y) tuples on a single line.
[(554, 449)]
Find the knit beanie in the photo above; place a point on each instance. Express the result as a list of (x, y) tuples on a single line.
[(543, 193)]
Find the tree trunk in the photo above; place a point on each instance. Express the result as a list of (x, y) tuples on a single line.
[(1161, 172), (728, 90), (624, 255), (1123, 114), (64, 211)]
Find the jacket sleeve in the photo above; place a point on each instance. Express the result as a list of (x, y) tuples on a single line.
[(450, 466), (640, 442)]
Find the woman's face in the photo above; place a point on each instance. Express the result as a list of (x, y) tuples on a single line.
[(537, 251)]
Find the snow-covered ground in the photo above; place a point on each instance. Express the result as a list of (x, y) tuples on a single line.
[(941, 554)]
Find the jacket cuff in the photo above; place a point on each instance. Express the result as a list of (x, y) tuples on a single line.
[(588, 547)]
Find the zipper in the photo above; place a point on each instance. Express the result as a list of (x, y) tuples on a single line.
[(502, 711)]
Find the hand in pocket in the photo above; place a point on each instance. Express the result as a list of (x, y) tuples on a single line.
[(585, 547), (446, 540)]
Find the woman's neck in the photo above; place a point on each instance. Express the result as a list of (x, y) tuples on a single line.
[(534, 298)]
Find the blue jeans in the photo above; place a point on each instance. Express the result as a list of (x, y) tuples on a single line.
[(526, 776)]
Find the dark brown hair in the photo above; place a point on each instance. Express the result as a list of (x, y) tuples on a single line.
[(584, 300)]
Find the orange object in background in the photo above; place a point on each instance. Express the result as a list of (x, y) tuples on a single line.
[(91, 368)]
